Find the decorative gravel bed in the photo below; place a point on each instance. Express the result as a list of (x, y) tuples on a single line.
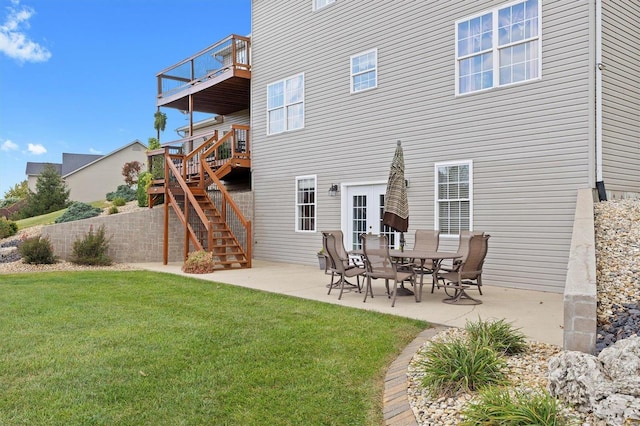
[(617, 227)]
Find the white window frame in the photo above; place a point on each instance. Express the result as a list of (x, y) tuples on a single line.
[(362, 72), (286, 106), (438, 200), (301, 204), (496, 49), (320, 4)]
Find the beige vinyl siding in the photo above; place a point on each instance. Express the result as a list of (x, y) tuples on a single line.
[(529, 143), (621, 96), (93, 181)]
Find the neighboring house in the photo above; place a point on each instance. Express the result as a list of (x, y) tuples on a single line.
[(93, 181), (34, 170), (91, 177), (504, 109)]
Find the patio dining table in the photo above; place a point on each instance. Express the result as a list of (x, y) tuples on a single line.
[(436, 258)]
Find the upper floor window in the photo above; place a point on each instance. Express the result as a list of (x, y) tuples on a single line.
[(306, 203), (285, 105), (319, 4), (499, 47), (364, 71), (453, 197)]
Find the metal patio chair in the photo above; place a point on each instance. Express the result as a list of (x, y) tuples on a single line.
[(340, 266), (379, 265), (469, 273)]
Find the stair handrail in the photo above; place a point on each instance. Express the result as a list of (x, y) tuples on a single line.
[(183, 220), (204, 167), (188, 194)]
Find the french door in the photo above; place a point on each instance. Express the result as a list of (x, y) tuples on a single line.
[(364, 211)]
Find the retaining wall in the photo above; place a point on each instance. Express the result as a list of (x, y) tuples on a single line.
[(580, 291), (135, 237)]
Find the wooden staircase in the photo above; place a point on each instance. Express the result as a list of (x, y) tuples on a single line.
[(192, 188)]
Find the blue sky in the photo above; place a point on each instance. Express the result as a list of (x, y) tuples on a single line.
[(78, 76)]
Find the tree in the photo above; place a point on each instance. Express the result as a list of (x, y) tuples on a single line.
[(51, 194), (157, 162), (130, 171), (159, 122), (19, 190)]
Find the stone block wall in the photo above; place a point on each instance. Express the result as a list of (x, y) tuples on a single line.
[(135, 237), (580, 292)]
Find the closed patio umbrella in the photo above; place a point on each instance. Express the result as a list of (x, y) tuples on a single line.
[(396, 205)]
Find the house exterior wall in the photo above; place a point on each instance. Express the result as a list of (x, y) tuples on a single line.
[(240, 117), (531, 144), (621, 96), (95, 180)]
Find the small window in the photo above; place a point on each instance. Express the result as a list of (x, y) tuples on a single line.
[(453, 197), (285, 105), (499, 47), (364, 71), (306, 203), (319, 4)]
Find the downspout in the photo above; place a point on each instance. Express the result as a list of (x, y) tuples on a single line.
[(598, 99)]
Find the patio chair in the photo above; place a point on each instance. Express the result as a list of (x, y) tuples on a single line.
[(425, 240), (342, 253), (469, 273), (463, 251), (340, 266), (379, 265)]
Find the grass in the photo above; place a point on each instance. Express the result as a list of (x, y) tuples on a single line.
[(142, 348), (501, 406), (49, 218), (497, 334)]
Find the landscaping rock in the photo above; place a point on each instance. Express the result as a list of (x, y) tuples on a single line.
[(607, 385)]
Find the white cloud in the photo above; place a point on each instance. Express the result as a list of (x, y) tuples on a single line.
[(36, 149), (9, 146), (94, 151), (14, 42)]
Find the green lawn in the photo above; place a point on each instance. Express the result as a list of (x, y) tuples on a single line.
[(142, 348), (49, 218)]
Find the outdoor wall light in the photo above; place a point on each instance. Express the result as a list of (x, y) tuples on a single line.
[(333, 190)]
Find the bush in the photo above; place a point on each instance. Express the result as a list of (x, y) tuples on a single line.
[(113, 210), (7, 227), (499, 335), (144, 181), (499, 406), (461, 365), (119, 202), (77, 211), (199, 262), (36, 251), (92, 249), (124, 192)]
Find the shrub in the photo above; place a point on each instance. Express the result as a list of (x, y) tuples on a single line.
[(37, 250), (144, 181), (199, 262), (92, 249), (461, 365), (119, 201), (499, 335), (77, 211), (7, 227), (123, 191), (113, 210), (499, 406)]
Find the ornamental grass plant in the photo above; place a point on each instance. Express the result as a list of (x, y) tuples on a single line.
[(461, 365), (498, 334), (501, 406)]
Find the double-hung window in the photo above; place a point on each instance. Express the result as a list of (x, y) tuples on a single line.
[(319, 4), (499, 47), (305, 203), (364, 71), (453, 197), (285, 105)]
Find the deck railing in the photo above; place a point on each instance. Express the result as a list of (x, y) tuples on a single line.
[(231, 53)]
